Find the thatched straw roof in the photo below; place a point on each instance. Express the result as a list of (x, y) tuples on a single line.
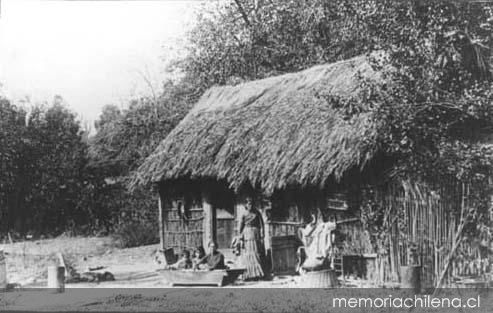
[(270, 133)]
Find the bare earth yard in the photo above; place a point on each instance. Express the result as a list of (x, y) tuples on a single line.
[(27, 263), (137, 286), (133, 269)]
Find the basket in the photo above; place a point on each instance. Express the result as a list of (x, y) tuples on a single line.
[(319, 279)]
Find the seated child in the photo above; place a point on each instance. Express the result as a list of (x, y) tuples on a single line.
[(183, 263), (198, 254)]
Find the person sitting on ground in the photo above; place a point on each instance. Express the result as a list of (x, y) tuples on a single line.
[(198, 254), (214, 260), (183, 263)]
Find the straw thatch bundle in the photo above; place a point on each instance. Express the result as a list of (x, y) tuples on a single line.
[(270, 133)]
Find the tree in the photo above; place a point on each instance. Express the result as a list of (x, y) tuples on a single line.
[(251, 39), (55, 166), (12, 123), (44, 158), (124, 139)]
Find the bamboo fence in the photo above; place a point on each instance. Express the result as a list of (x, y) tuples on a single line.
[(426, 224)]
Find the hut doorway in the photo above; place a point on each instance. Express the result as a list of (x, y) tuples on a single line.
[(223, 224), (225, 227)]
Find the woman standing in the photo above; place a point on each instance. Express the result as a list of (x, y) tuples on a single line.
[(252, 231)]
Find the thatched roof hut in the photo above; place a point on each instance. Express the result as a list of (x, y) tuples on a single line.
[(270, 133), (282, 132)]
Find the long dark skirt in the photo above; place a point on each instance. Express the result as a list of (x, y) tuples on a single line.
[(252, 258)]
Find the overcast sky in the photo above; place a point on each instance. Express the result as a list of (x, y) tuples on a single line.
[(91, 53)]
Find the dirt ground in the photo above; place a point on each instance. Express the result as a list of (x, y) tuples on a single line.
[(134, 269), (137, 285), (27, 263)]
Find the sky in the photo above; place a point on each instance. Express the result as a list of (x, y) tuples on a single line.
[(92, 53)]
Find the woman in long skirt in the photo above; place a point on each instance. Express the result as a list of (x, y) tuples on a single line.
[(252, 230)]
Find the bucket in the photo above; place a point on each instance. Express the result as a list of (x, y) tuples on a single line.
[(411, 277), (3, 271), (56, 278)]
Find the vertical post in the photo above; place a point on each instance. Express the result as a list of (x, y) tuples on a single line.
[(267, 233), (56, 278), (209, 219), (490, 182), (265, 212), (61, 263), (161, 220), (3, 271), (60, 275)]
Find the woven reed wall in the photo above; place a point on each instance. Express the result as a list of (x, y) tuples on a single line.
[(427, 220), (182, 230)]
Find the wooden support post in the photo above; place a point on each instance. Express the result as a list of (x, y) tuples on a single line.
[(267, 231), (490, 209), (209, 220), (265, 214), (161, 220)]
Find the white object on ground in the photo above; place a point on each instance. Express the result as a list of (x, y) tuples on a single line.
[(3, 271), (56, 278)]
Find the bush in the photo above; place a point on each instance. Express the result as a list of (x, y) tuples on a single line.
[(136, 233)]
